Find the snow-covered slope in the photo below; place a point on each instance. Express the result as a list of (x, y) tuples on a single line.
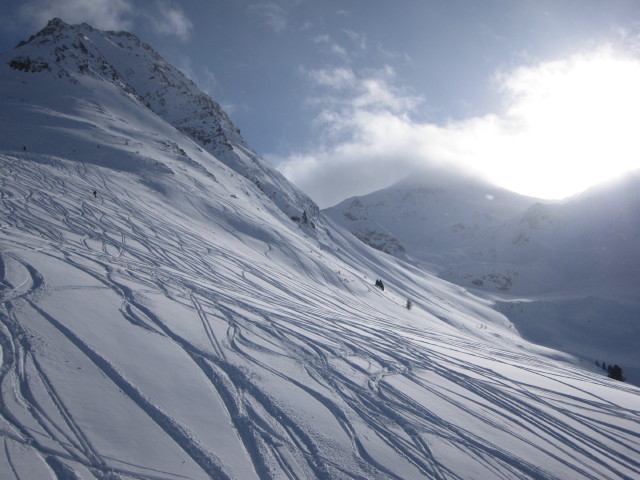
[(63, 51), (179, 325), (479, 235), (566, 273), (434, 217), (591, 242)]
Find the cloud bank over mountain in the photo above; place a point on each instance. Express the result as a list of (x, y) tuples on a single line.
[(564, 125)]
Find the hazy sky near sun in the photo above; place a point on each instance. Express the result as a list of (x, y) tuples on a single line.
[(345, 97)]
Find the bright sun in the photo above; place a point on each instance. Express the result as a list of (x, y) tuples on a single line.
[(567, 125)]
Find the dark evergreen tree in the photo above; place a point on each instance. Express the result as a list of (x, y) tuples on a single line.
[(615, 372)]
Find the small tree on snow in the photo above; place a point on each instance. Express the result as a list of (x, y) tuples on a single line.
[(615, 372), (409, 304)]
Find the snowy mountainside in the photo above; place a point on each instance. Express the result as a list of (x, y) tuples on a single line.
[(566, 273), (73, 51), (585, 256), (179, 325), (467, 231), (593, 238), (430, 215)]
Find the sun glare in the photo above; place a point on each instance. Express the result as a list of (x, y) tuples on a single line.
[(567, 125)]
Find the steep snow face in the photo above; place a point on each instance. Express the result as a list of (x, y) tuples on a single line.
[(176, 324), (75, 51)]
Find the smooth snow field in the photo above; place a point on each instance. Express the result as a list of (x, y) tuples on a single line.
[(180, 325)]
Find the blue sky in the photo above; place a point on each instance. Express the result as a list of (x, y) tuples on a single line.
[(347, 97)]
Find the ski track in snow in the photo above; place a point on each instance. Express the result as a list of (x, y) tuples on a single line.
[(403, 399)]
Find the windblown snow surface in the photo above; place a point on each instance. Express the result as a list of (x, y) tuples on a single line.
[(181, 326)]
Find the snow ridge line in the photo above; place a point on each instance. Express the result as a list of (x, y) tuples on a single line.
[(360, 401), (331, 406), (326, 375)]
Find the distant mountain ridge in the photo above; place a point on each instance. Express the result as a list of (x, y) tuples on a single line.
[(567, 273), (472, 232), (435, 217)]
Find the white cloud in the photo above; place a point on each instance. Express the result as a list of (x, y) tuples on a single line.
[(332, 47), (393, 56), (371, 89), (272, 14), (102, 14), (335, 78), (170, 21), (375, 93), (360, 41), (165, 18), (565, 125)]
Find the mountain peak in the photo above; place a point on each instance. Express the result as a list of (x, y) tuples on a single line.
[(81, 53), (56, 24), (53, 25), (54, 29)]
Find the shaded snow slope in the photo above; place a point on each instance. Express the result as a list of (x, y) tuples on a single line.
[(433, 217), (180, 325), (567, 272), (479, 235)]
